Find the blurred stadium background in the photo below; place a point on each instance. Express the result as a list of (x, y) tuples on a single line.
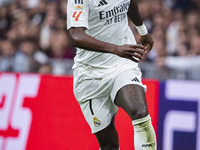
[(33, 39)]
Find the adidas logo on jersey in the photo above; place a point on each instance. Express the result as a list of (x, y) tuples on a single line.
[(102, 2), (135, 79)]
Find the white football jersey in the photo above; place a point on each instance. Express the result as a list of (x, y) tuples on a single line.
[(105, 20)]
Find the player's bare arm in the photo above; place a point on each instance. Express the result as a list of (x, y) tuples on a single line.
[(135, 17), (80, 39)]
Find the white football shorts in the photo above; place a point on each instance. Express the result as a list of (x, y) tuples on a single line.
[(98, 106)]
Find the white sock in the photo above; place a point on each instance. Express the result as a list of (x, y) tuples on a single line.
[(144, 134)]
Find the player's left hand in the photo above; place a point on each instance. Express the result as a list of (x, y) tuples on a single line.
[(147, 42)]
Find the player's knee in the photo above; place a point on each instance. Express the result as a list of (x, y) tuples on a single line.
[(138, 113), (143, 112)]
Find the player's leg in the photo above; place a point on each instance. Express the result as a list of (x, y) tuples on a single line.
[(108, 137), (98, 109), (132, 99), (99, 113)]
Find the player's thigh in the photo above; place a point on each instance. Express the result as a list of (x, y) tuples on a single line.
[(133, 100), (128, 92)]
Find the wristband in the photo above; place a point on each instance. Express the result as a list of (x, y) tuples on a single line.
[(142, 29)]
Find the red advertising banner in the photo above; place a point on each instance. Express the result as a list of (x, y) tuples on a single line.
[(40, 113)]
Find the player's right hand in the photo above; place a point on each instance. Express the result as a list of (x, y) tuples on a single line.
[(132, 52)]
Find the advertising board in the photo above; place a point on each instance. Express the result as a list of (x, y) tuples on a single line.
[(39, 112), (179, 113)]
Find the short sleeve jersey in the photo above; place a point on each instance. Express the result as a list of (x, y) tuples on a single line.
[(105, 20)]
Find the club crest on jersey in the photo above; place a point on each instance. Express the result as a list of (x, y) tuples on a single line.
[(97, 122), (78, 1)]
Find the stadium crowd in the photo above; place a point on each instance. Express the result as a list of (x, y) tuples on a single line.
[(33, 36)]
